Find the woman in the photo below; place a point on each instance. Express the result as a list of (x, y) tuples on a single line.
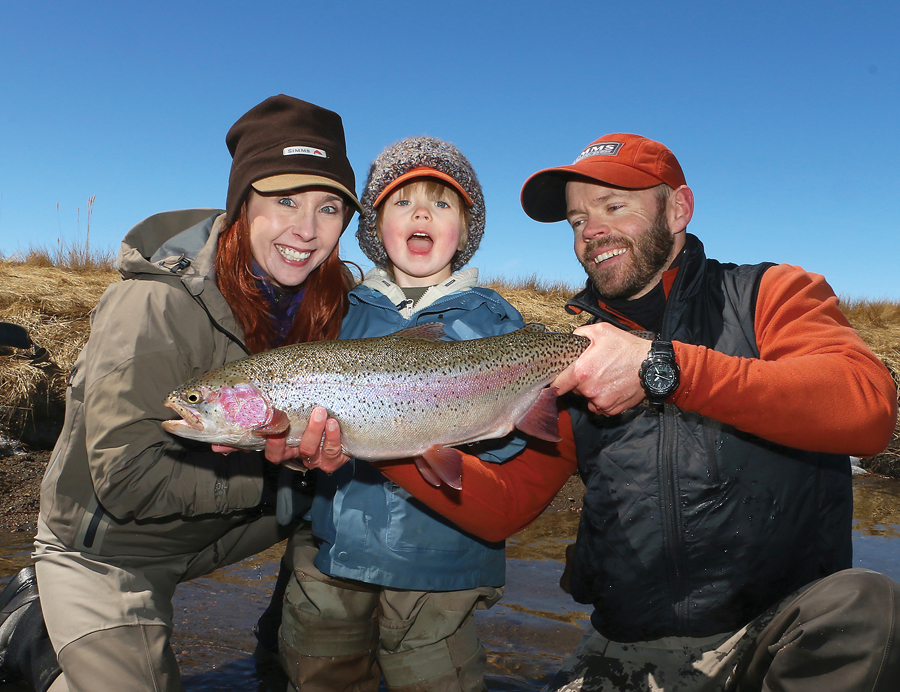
[(127, 510)]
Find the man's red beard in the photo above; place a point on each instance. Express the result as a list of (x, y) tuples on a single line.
[(645, 257)]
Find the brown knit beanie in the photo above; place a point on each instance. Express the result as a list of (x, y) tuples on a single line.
[(402, 157), (284, 144)]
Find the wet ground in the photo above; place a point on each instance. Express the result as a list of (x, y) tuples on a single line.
[(527, 634)]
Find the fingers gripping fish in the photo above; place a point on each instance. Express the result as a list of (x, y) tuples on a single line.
[(408, 394)]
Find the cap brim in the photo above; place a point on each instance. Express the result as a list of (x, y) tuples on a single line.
[(544, 193), (294, 181), (422, 173)]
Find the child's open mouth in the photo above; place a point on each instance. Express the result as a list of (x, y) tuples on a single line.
[(420, 243)]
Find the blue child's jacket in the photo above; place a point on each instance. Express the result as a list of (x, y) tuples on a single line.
[(372, 530)]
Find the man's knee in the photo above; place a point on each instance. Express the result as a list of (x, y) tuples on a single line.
[(869, 599), (838, 634)]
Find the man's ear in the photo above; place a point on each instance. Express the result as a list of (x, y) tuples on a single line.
[(680, 209)]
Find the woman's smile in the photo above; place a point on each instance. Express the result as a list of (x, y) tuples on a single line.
[(292, 233)]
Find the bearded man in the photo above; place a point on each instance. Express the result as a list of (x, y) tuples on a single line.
[(712, 419)]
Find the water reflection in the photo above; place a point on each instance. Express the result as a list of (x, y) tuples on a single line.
[(876, 524), (536, 626), (527, 635)]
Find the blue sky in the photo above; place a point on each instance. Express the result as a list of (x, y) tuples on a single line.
[(784, 115)]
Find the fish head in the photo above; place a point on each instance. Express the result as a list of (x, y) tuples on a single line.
[(224, 413)]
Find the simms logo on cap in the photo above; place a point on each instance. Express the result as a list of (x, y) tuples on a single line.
[(307, 151), (601, 149)]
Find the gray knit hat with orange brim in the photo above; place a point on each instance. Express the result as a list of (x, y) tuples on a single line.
[(401, 162)]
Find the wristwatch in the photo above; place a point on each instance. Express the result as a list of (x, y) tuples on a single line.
[(659, 373)]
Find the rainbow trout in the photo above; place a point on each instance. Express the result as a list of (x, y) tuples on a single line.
[(403, 395)]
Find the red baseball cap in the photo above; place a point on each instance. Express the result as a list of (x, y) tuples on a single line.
[(621, 160)]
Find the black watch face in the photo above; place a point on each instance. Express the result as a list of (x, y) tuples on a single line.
[(660, 378)]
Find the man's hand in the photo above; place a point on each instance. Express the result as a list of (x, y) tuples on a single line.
[(320, 445), (607, 372)]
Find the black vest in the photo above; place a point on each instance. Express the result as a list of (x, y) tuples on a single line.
[(690, 527)]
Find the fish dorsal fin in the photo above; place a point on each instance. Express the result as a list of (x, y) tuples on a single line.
[(542, 419), (534, 328), (446, 463), (432, 331), (279, 423)]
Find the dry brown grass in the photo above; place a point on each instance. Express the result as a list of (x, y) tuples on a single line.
[(52, 296), (53, 304), (878, 323), (540, 301), (78, 259)]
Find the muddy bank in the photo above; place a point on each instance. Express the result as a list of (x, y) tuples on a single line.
[(20, 487)]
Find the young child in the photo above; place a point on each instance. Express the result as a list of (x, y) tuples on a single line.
[(392, 584)]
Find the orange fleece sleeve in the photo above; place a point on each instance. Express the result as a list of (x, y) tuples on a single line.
[(815, 386), (496, 500)]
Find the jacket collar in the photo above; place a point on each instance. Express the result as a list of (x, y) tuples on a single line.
[(379, 280)]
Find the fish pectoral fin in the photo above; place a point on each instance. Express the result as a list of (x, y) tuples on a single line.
[(279, 423), (427, 473), (444, 463), (542, 419)]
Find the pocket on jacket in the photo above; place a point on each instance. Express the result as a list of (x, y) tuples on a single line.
[(411, 529)]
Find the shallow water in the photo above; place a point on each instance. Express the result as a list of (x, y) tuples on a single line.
[(527, 635)]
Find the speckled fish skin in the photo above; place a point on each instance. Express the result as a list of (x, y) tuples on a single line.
[(394, 396)]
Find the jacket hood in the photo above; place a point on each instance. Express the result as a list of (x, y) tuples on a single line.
[(180, 246), (173, 242)]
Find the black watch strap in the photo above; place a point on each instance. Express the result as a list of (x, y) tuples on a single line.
[(664, 349), (659, 373)]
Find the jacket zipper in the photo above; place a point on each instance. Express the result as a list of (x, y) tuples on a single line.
[(673, 545), (671, 507), (671, 515), (668, 481)]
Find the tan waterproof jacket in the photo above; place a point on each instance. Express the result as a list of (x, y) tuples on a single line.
[(117, 483)]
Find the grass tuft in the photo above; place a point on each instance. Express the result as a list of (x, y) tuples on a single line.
[(73, 257)]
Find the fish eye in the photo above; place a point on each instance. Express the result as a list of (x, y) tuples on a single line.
[(193, 397)]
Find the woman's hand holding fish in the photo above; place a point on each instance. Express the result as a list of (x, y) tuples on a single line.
[(319, 448), (320, 445), (607, 372)]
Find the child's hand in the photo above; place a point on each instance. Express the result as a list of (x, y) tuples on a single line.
[(320, 444)]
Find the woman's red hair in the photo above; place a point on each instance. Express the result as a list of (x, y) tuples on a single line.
[(324, 298)]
